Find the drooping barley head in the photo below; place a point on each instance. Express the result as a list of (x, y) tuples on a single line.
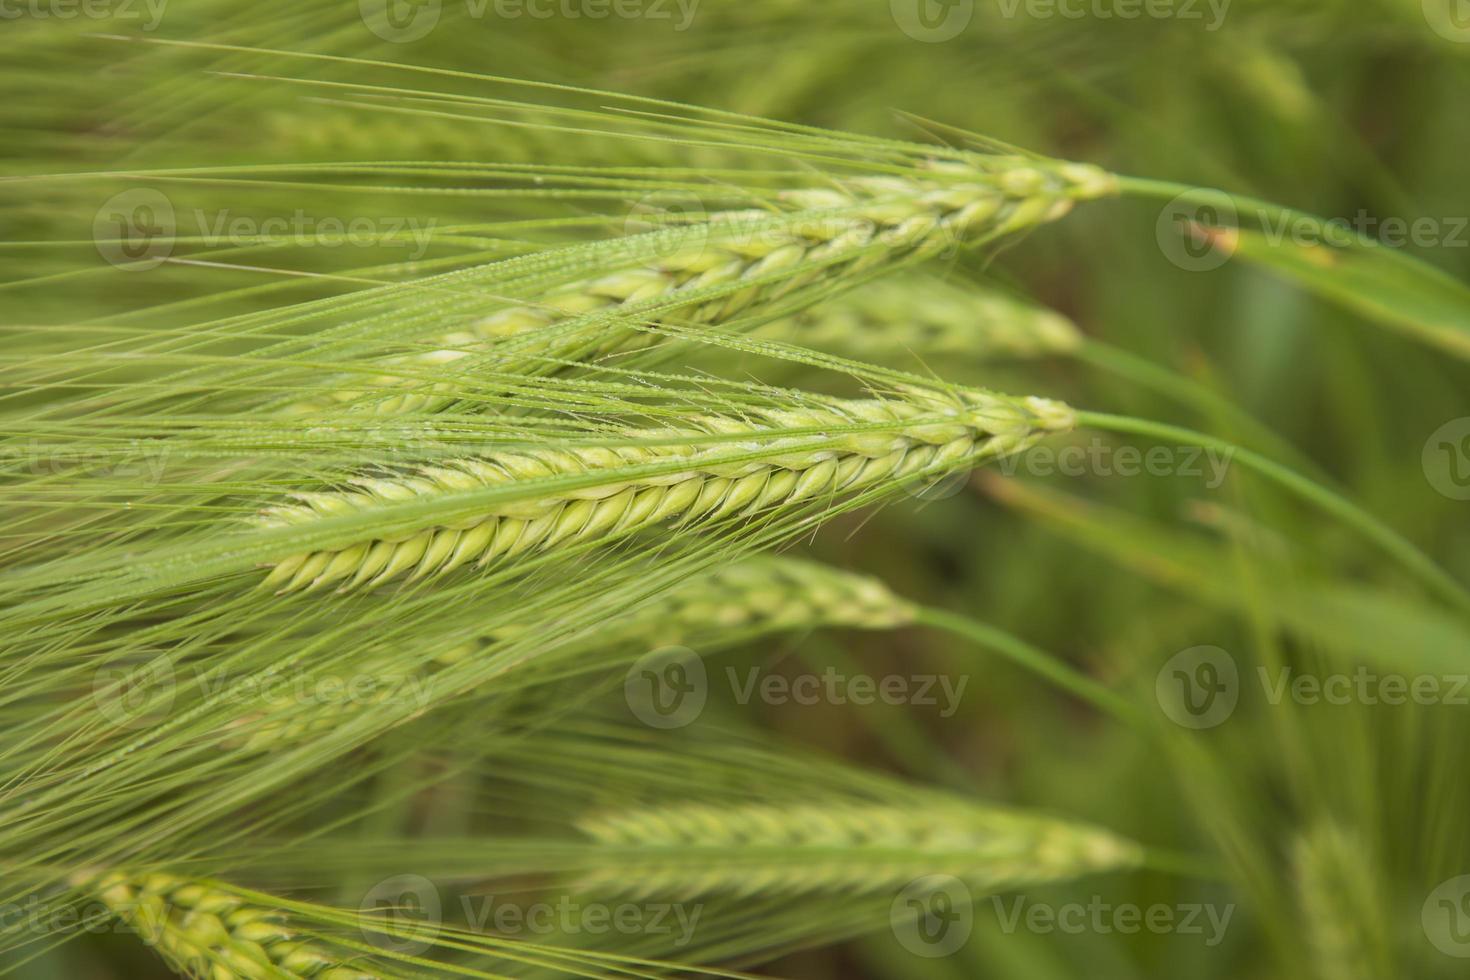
[(831, 235), (203, 931), (859, 445), (697, 849), (899, 319)]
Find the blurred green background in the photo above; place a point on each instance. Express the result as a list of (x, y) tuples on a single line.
[(1337, 108)]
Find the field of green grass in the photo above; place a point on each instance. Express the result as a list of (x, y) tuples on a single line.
[(889, 489)]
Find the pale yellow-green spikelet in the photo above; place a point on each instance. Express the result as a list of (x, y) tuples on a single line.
[(286, 714), (831, 235), (1342, 907), (922, 430), (686, 850), (204, 931), (766, 593), (906, 317)]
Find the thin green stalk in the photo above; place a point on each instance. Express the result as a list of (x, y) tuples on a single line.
[(1332, 503), (1266, 213), (1145, 373), (900, 732), (1184, 865), (1037, 661)]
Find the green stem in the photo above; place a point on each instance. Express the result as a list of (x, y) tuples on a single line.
[(1146, 373), (1148, 187), (1265, 214), (1184, 865), (1340, 507), (1044, 664), (1037, 661)]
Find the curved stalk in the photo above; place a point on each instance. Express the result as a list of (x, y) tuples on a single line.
[(1145, 373), (1037, 661), (1332, 503)]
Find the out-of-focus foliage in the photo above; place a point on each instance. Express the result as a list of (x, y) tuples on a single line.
[(1318, 832)]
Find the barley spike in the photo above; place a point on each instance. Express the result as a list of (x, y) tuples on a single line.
[(839, 233), (209, 933), (762, 594), (1341, 905), (944, 431), (775, 593), (697, 849), (916, 316)]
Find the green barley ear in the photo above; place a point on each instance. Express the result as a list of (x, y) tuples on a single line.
[(736, 262), (1342, 906), (777, 593), (204, 931), (284, 720), (897, 319), (844, 846), (727, 605), (788, 456), (768, 593)]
